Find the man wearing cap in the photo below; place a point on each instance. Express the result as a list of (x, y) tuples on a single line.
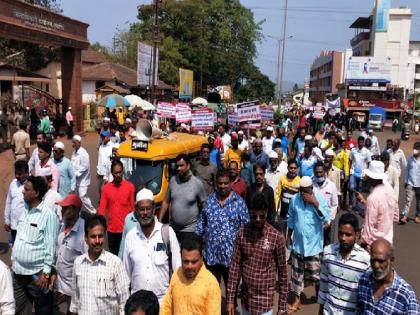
[(381, 206), (117, 199), (106, 121), (69, 121), (308, 215), (81, 163), (70, 244), (45, 163), (104, 154), (306, 162), (258, 155), (277, 169), (375, 149), (268, 140), (51, 197), (67, 174), (151, 251), (243, 142), (332, 172), (233, 153), (397, 156)]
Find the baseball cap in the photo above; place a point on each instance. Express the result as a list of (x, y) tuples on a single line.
[(70, 200)]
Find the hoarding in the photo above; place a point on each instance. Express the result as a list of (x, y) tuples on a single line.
[(145, 64), (202, 119), (368, 70), (382, 15), (249, 115), (185, 83), (166, 110)]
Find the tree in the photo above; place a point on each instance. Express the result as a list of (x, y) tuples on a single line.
[(216, 39)]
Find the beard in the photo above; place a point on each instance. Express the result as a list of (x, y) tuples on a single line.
[(381, 275)]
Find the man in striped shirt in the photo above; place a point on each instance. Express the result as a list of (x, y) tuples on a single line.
[(33, 250), (343, 264)]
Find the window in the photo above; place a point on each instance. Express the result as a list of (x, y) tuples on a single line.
[(145, 174)]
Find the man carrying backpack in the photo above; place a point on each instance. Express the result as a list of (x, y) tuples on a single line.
[(151, 250)]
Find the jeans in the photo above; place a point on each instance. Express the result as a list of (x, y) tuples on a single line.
[(27, 293), (410, 192), (114, 241), (355, 184)]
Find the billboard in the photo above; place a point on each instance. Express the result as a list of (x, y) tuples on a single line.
[(225, 91), (382, 15), (368, 70), (145, 64), (185, 83)]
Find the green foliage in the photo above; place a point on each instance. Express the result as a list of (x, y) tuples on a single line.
[(214, 38)]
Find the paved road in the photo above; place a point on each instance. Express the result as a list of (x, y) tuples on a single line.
[(406, 249)]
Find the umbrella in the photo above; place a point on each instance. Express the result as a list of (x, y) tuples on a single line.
[(113, 100), (147, 105), (199, 101), (137, 101)]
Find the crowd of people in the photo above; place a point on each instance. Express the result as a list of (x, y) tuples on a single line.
[(252, 203)]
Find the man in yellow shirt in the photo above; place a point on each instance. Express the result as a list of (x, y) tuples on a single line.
[(193, 289), (233, 153)]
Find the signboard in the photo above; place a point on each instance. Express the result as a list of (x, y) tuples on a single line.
[(202, 119), (249, 115), (139, 145), (232, 118), (368, 70), (225, 91), (267, 114), (166, 110), (319, 112), (183, 113), (382, 15), (145, 63), (185, 83)]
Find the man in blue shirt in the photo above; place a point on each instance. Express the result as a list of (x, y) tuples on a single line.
[(382, 291), (223, 214), (300, 143), (67, 182), (258, 155), (309, 215), (412, 185), (214, 152), (306, 162)]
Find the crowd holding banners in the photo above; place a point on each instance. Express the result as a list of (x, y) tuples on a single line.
[(275, 198)]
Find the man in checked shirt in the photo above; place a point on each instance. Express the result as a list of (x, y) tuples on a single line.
[(259, 257)]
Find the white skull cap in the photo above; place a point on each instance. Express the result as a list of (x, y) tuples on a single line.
[(77, 138), (144, 194), (305, 181)]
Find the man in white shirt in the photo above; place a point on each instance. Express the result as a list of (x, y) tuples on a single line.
[(100, 284), (268, 140), (34, 160), (7, 301), (375, 148), (243, 142), (325, 187), (151, 249), (225, 138), (69, 120), (104, 154), (397, 157), (14, 201), (81, 164), (275, 171), (51, 197)]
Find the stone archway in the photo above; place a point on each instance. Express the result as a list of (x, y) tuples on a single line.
[(24, 22)]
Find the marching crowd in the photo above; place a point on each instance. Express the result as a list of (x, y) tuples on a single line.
[(249, 206)]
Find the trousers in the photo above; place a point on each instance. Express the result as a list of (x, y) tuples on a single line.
[(410, 193), (82, 192)]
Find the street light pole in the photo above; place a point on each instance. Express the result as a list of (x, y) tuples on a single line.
[(282, 54), (155, 44)]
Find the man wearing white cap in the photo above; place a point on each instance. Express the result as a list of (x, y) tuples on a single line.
[(268, 140), (81, 164), (151, 250), (52, 196), (277, 169), (67, 174), (69, 120), (243, 142), (381, 206), (309, 214)]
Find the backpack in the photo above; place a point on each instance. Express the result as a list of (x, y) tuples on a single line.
[(165, 237)]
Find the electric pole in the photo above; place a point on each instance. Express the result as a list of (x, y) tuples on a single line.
[(282, 54), (155, 47)]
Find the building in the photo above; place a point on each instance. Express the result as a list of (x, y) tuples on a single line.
[(326, 72), (378, 71)]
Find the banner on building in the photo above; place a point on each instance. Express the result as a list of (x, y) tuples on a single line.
[(267, 114), (185, 83), (333, 104), (369, 70), (249, 115), (166, 110), (225, 91), (382, 15), (183, 113), (202, 119), (145, 64)]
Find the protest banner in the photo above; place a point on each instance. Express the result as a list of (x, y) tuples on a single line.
[(166, 110), (249, 115), (202, 119), (267, 114), (232, 119), (319, 112), (183, 113)]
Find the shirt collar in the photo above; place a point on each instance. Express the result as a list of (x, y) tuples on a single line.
[(101, 258), (156, 229)]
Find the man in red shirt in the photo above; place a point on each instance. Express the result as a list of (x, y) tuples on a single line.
[(118, 198), (350, 142), (237, 183)]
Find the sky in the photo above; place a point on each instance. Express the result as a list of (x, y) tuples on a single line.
[(313, 25)]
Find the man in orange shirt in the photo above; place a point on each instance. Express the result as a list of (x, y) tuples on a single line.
[(233, 153)]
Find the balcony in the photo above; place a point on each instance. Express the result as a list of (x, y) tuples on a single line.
[(359, 37)]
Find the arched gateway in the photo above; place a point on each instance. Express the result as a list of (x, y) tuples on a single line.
[(24, 22)]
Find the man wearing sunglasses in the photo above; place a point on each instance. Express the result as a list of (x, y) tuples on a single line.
[(259, 257)]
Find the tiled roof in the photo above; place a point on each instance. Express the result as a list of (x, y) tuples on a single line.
[(92, 56)]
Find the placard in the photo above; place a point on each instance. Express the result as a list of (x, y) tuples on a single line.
[(183, 113), (249, 115), (202, 119), (166, 110), (232, 118), (267, 114)]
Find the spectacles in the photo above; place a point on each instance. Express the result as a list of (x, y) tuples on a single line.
[(258, 216)]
